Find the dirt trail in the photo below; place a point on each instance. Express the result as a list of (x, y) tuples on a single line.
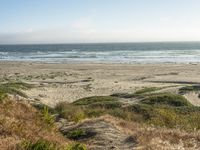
[(105, 136)]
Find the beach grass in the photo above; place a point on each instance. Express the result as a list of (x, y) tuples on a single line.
[(186, 89), (95, 99), (158, 109), (14, 88), (137, 94), (168, 99)]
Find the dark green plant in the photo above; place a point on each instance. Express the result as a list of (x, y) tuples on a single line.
[(48, 117), (41, 107), (94, 99), (187, 89), (166, 99), (77, 146), (2, 96), (76, 134), (14, 88), (138, 94), (70, 112), (124, 95), (38, 145), (106, 104)]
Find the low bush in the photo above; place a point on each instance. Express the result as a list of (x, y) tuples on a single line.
[(187, 89), (41, 107), (166, 99), (95, 112), (48, 117), (46, 145), (186, 117), (142, 111), (138, 94), (76, 134), (106, 105), (95, 99), (14, 88), (18, 85), (38, 145), (70, 112), (123, 95), (159, 109), (2, 96), (121, 113), (170, 118)]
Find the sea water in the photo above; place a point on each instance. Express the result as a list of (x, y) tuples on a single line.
[(155, 52)]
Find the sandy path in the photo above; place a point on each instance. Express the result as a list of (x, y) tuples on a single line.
[(193, 98), (105, 136)]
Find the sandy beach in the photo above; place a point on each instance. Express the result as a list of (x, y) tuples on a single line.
[(100, 75), (55, 83), (102, 121)]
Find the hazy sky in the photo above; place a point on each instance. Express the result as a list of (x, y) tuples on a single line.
[(71, 21)]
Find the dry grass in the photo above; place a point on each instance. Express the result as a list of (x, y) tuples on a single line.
[(147, 138), (20, 121)]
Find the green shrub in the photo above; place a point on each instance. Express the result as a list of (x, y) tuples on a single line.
[(124, 95), (95, 112), (166, 99), (164, 117), (70, 112), (137, 94), (38, 145), (94, 99), (2, 96), (76, 146), (145, 111), (187, 89), (170, 118), (78, 116), (47, 117), (14, 88), (121, 113), (106, 105), (76, 134), (187, 109), (17, 85), (184, 117), (159, 109), (73, 112), (41, 108)]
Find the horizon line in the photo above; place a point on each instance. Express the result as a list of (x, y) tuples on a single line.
[(85, 43)]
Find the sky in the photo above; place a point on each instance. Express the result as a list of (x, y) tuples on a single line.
[(97, 21)]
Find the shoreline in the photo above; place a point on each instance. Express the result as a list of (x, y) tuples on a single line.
[(102, 63)]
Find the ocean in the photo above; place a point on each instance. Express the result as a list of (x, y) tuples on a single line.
[(160, 52)]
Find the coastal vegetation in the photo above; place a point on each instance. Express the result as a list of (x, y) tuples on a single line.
[(153, 109), (27, 127), (159, 109), (186, 89), (138, 94), (14, 88)]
